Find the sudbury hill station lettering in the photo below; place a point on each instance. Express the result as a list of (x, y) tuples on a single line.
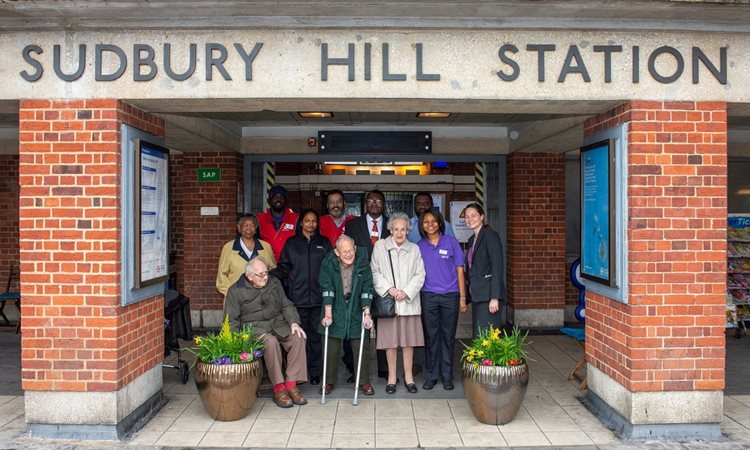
[(664, 64)]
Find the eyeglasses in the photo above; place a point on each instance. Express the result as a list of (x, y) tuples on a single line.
[(348, 252), (376, 201), (261, 275)]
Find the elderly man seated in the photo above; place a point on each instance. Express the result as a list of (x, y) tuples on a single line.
[(260, 301)]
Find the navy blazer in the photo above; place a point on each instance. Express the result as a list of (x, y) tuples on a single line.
[(486, 278), (359, 230)]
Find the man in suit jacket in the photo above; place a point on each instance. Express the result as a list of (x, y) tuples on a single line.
[(365, 231), (372, 226)]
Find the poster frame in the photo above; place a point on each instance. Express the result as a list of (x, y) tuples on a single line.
[(607, 146), (160, 223)]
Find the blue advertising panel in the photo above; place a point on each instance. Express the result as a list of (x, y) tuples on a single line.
[(597, 212)]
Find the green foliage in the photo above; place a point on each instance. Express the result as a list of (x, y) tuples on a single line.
[(494, 347), (228, 347)]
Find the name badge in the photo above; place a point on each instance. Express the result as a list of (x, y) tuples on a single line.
[(374, 234), (443, 251), (288, 226)]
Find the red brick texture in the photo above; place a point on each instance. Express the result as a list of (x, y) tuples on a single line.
[(197, 240), (76, 336), (670, 335), (8, 219), (536, 231)]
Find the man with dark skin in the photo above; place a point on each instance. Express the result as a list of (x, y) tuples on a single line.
[(333, 224), (278, 222), (369, 228), (422, 202)]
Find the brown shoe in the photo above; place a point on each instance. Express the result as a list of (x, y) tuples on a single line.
[(282, 400), (296, 396), (367, 389), (327, 387)]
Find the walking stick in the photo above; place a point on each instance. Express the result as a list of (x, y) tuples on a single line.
[(325, 361), (359, 360)]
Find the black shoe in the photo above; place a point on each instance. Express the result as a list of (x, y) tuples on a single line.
[(411, 387), (448, 385), (314, 380), (390, 388), (429, 384), (350, 380)]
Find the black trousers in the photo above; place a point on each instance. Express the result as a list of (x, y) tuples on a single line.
[(439, 320), (310, 317)]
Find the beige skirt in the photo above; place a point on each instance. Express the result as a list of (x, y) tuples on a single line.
[(400, 331)]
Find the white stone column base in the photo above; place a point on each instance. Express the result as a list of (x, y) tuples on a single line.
[(95, 415), (536, 318), (673, 415)]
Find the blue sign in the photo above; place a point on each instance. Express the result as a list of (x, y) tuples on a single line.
[(597, 228)]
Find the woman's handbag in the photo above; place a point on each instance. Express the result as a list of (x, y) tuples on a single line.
[(384, 307)]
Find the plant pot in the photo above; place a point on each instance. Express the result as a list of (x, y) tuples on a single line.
[(495, 393), (228, 391)]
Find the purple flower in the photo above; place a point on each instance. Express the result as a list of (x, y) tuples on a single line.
[(258, 354), (222, 361)]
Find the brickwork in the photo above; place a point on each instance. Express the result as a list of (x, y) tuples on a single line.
[(76, 336), (202, 237), (670, 336), (8, 219), (536, 231)]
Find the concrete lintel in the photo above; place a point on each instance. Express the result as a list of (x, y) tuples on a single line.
[(553, 136), (189, 133)]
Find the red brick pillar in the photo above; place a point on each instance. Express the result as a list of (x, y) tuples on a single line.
[(536, 239), (90, 367), (203, 236), (657, 362)]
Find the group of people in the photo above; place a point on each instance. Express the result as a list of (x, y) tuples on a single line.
[(294, 276)]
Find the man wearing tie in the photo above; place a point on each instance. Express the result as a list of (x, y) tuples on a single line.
[(365, 231)]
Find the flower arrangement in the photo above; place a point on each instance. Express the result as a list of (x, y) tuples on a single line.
[(494, 347), (228, 347)]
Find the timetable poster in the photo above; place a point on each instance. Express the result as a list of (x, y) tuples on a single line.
[(154, 213), (596, 213)]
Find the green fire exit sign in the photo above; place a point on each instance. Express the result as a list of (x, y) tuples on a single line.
[(209, 174)]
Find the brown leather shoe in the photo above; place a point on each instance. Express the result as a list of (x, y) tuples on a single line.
[(282, 400), (367, 389), (328, 388), (296, 396)]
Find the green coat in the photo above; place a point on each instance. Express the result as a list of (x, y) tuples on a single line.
[(347, 316), (266, 309)]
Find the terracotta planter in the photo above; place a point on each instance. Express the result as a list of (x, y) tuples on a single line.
[(228, 391), (495, 393)]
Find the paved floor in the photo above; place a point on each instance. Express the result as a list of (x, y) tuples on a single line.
[(551, 416)]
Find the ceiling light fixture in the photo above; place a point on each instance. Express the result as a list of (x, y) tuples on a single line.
[(315, 115), (433, 115)]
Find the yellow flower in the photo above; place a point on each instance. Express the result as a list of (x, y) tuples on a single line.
[(495, 334), (480, 353), (198, 340), (485, 343), (245, 337)]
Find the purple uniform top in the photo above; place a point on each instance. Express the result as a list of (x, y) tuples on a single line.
[(440, 262)]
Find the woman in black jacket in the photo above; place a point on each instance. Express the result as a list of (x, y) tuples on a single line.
[(299, 268), (485, 271)]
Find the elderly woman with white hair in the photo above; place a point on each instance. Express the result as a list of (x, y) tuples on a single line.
[(398, 270)]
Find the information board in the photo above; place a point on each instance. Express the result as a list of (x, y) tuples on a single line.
[(152, 214), (597, 212)]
